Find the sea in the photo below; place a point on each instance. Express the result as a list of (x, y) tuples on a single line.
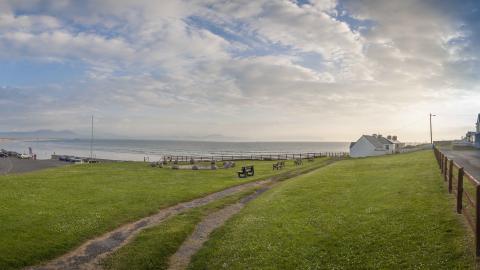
[(138, 150)]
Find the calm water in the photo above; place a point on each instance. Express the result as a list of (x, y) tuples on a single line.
[(138, 149)]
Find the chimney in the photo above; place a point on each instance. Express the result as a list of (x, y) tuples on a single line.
[(374, 135), (379, 135), (389, 137), (394, 137)]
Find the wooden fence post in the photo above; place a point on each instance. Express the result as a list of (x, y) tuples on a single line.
[(441, 162), (477, 221), (446, 169), (450, 176), (460, 190), (444, 164), (440, 156)]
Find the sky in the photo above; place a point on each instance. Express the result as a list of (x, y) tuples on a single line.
[(318, 70)]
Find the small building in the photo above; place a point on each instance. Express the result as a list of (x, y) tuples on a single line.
[(375, 145), (398, 145), (473, 137)]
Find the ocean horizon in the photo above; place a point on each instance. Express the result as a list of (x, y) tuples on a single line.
[(137, 150)]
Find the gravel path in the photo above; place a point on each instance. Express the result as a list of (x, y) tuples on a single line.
[(181, 259)]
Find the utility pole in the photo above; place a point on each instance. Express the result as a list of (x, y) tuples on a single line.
[(91, 142), (431, 135)]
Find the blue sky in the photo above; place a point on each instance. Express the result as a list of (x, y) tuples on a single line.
[(286, 70)]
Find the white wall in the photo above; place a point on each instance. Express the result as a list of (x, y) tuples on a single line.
[(363, 148)]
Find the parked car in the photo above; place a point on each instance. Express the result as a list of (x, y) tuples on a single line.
[(3, 155), (12, 154), (69, 158), (76, 160), (24, 156)]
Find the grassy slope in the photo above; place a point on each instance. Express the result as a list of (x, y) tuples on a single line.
[(153, 247), (47, 213), (381, 213)]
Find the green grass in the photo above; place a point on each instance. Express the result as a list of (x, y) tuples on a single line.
[(152, 248), (375, 213), (47, 213)]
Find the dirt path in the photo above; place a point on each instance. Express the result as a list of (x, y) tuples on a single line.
[(90, 254), (181, 259)]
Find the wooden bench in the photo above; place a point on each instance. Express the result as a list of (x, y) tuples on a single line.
[(279, 165), (246, 171)]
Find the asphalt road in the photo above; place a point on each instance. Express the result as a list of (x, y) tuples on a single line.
[(469, 159), (14, 165)]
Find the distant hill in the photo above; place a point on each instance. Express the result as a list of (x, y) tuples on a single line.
[(42, 133)]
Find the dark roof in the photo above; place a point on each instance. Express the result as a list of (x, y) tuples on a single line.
[(378, 142), (384, 140)]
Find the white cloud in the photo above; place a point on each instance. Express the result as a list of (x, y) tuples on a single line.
[(204, 65)]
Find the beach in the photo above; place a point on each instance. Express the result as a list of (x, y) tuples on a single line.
[(137, 150)]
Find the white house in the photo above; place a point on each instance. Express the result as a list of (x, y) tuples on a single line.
[(473, 137), (375, 145)]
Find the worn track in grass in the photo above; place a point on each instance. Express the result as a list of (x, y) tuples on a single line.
[(89, 254), (181, 259)]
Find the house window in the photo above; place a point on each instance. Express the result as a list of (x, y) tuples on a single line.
[(387, 146)]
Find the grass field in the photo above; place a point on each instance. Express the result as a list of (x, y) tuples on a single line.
[(376, 213), (152, 248), (46, 213)]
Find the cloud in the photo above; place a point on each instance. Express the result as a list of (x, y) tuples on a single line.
[(289, 70)]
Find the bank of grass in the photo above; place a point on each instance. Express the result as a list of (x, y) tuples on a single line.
[(375, 213), (47, 213), (152, 248)]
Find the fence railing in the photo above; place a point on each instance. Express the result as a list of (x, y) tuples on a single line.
[(467, 193), (234, 157), (269, 156)]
